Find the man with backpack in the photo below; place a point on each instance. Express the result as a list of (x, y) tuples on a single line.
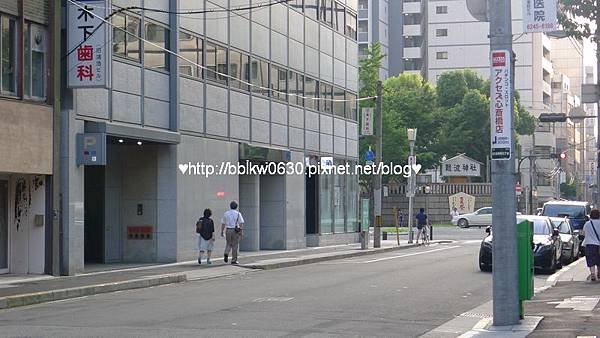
[(205, 228)]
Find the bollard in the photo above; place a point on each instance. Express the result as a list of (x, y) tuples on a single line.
[(431, 233), (385, 235)]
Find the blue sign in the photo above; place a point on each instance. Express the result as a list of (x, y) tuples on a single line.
[(369, 156)]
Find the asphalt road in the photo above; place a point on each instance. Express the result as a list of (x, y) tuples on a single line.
[(400, 294)]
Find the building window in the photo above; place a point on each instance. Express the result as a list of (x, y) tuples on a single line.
[(124, 44), (351, 25), (259, 73), (441, 55), (326, 11), (239, 68), (352, 202), (34, 79), (339, 203), (216, 62), (441, 10), (296, 4), (311, 90), (278, 83), (338, 104), (8, 40), (351, 106), (311, 8), (441, 32), (296, 87), (325, 104), (325, 203), (190, 48), (339, 17), (155, 56)]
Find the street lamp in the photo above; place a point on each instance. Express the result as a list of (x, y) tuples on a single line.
[(410, 193)]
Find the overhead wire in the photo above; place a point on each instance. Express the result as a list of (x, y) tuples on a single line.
[(105, 21)]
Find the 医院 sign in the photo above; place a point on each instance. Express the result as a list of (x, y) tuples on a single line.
[(501, 105), (539, 16), (87, 41)]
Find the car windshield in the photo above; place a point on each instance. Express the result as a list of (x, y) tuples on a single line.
[(540, 227), (561, 210)]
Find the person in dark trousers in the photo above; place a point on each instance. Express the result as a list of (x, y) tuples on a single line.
[(206, 236), (422, 222), (591, 231), (232, 225)]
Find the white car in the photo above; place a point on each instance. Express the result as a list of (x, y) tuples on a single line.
[(481, 217)]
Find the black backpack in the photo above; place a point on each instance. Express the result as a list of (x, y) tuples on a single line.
[(199, 225)]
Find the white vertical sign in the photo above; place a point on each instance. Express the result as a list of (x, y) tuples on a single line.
[(501, 105), (539, 16), (88, 44), (367, 121)]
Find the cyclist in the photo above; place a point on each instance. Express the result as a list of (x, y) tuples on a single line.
[(422, 223)]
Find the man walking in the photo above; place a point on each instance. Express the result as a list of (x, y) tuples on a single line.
[(232, 225)]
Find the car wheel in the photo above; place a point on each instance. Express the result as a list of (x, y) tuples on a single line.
[(463, 223)]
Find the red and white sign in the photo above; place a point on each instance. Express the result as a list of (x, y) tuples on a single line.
[(518, 189), (87, 43), (501, 105), (367, 121), (539, 16)]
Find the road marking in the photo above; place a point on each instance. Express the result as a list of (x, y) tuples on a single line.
[(408, 255), (577, 303), (272, 299)]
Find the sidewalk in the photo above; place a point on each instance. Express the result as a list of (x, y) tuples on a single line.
[(26, 290), (570, 308)]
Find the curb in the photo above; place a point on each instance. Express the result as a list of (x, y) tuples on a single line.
[(88, 290), (305, 261)]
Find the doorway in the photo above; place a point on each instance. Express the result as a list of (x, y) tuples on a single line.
[(94, 214), (4, 226), (312, 208)]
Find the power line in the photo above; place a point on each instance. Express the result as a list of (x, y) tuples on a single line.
[(214, 71)]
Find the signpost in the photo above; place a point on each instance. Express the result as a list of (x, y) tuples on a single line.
[(90, 52), (367, 121), (539, 16)]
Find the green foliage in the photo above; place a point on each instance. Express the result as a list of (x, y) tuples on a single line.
[(568, 190), (573, 9), (368, 73)]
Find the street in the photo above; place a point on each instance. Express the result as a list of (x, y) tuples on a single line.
[(404, 293)]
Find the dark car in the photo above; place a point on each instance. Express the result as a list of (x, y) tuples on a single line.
[(569, 238), (577, 212), (547, 246)]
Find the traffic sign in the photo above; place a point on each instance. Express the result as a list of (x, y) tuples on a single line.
[(518, 189)]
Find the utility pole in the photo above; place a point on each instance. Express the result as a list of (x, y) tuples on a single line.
[(597, 201), (378, 159), (56, 109), (506, 309)]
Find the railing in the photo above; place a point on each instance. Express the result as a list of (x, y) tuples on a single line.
[(444, 189)]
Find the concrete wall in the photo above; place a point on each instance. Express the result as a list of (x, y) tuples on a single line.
[(437, 207), (195, 193), (26, 138), (272, 212), (250, 209)]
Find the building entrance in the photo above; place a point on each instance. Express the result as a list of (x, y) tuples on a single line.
[(94, 214)]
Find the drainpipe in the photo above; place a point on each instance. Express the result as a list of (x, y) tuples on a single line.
[(56, 109)]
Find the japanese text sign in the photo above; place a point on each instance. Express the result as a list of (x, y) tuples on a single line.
[(539, 16), (501, 105), (462, 202), (367, 122), (88, 44)]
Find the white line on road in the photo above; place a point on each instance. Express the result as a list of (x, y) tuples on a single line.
[(410, 254)]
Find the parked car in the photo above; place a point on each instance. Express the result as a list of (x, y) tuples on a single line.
[(547, 245), (577, 212), (481, 217), (569, 238)]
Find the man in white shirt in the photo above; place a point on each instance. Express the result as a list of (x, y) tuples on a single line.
[(232, 224)]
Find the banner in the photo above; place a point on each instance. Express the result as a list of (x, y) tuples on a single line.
[(367, 121), (501, 105), (88, 44)]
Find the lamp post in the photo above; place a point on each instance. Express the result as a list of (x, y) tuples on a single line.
[(412, 136)]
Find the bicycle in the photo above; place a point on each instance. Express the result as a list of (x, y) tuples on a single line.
[(424, 234)]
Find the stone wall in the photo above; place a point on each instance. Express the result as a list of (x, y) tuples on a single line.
[(436, 206)]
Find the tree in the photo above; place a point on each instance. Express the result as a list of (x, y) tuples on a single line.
[(571, 14)]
